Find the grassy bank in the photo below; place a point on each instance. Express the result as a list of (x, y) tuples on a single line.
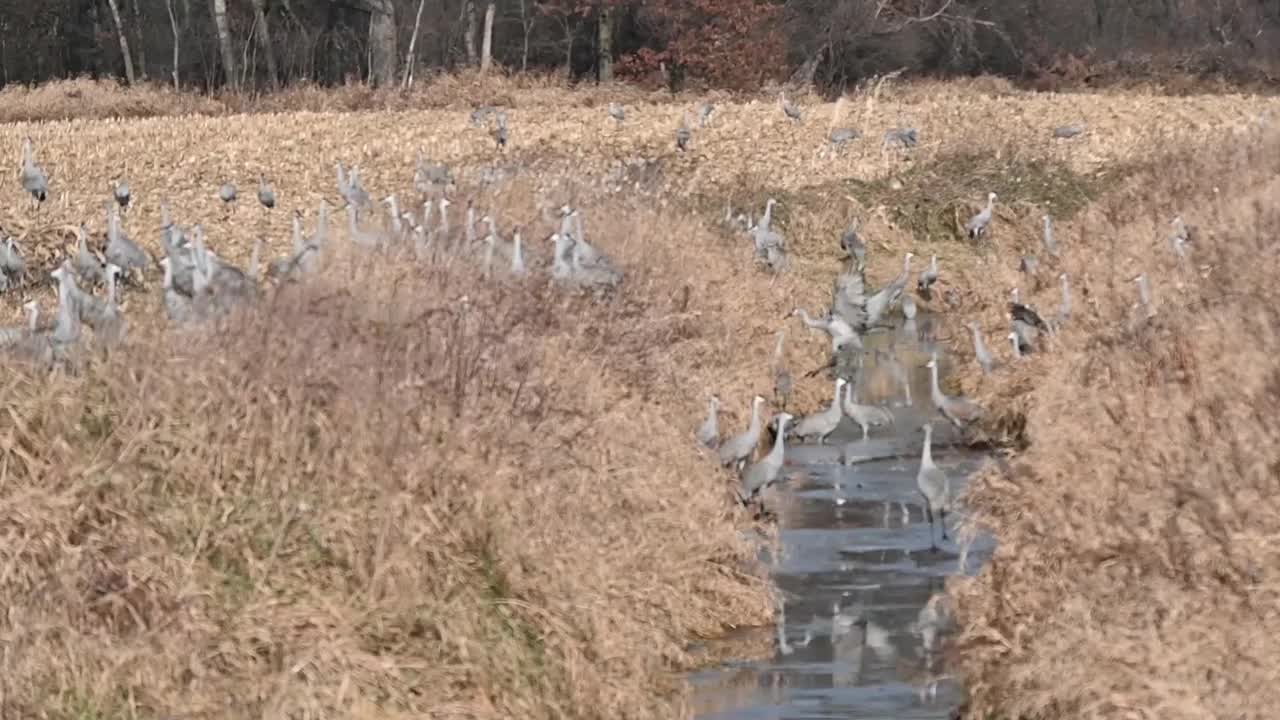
[(1134, 572)]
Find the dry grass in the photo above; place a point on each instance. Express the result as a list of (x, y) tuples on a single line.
[(562, 555), (367, 499), (1135, 571)]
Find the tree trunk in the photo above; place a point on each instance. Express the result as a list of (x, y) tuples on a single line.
[(382, 42), (177, 43), (411, 58), (124, 41), (232, 79), (140, 27), (264, 41), (526, 22), (470, 37), (486, 47), (604, 49)]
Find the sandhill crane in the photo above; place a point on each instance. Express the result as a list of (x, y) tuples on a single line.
[(764, 472), (878, 304), (517, 253), (683, 134), (1064, 309), (865, 416), (960, 411), (901, 138), (1026, 322), (122, 251), (832, 324), (1046, 237), (824, 422), (738, 448), (977, 224), (1180, 238), (617, 112), (934, 486), (708, 434), (928, 276), (791, 111), (12, 336), (120, 191), (842, 136), (84, 262), (12, 265), (782, 382), (852, 244), (33, 177), (266, 194), (1066, 132), (705, 111), (177, 305), (500, 132), (980, 352)]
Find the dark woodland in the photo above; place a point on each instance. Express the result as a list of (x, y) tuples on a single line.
[(259, 45)]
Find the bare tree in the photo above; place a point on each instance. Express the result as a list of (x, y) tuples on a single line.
[(264, 41), (411, 57), (382, 41), (604, 44), (140, 26), (224, 43), (486, 54), (124, 41), (177, 43), (469, 36), (526, 24)]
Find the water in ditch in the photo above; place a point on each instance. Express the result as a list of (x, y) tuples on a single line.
[(854, 567)]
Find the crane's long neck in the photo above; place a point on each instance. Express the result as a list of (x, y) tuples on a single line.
[(577, 227), (33, 317), (934, 390), (566, 224), (111, 285), (322, 224), (167, 283), (1017, 346), (517, 253), (753, 428), (991, 202), (835, 400), (810, 321), (1066, 294), (779, 441), (68, 326), (297, 235), (926, 455), (979, 347), (255, 259), (777, 349)]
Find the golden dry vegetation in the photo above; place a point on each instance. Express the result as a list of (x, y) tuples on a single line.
[(372, 500), (1135, 575)]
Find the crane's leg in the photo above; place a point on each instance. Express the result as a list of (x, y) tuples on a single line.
[(942, 520), (928, 512)]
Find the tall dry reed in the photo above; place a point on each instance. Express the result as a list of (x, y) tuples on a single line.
[(1135, 573)]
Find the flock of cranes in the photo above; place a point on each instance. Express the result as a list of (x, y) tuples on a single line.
[(1028, 333), (199, 286)]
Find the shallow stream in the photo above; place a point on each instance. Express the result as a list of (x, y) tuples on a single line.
[(855, 567)]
